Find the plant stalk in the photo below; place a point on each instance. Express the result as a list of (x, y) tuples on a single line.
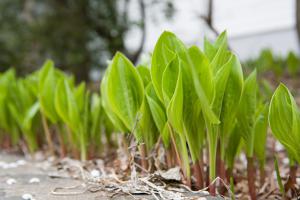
[(48, 134), (144, 162), (175, 147), (197, 169), (251, 177), (262, 174), (212, 146), (290, 184), (83, 151)]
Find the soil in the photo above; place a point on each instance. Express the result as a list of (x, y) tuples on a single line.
[(53, 175)]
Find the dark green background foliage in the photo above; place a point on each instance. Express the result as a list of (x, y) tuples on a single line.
[(77, 34)]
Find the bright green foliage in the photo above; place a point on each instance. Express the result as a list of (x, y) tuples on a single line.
[(285, 122), (125, 92), (158, 113), (231, 99), (144, 73), (260, 131), (119, 125), (190, 99), (293, 64), (7, 122), (268, 61), (71, 104), (278, 176), (246, 113), (163, 54), (233, 147), (46, 90), (25, 112), (95, 117)]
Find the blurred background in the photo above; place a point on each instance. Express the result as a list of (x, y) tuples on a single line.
[(81, 35)]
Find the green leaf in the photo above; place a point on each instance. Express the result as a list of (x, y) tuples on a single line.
[(246, 112), (231, 99), (125, 90), (157, 110), (61, 101), (260, 131), (165, 48), (46, 91), (220, 81), (144, 73), (203, 82), (148, 130), (284, 120), (95, 116), (116, 121), (293, 64), (234, 143), (175, 107), (169, 80), (232, 95)]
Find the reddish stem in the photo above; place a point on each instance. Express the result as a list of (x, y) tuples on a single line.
[(197, 169), (169, 158), (290, 184), (262, 175), (63, 151), (251, 177), (143, 153)]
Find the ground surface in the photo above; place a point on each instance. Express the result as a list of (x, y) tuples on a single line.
[(14, 167)]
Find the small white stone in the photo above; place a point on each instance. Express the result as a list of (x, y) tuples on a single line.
[(11, 181), (5, 166), (2, 163), (21, 162), (95, 173), (27, 197), (34, 180), (205, 192), (12, 165), (278, 146), (286, 161)]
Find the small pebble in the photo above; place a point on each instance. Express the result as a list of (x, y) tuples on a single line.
[(286, 161), (95, 173), (11, 181), (27, 197), (2, 163), (34, 180), (205, 192), (21, 162), (12, 165)]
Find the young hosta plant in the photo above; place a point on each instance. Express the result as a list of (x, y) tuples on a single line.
[(24, 108), (284, 120), (228, 83), (71, 105), (147, 124), (46, 90), (7, 123), (260, 131), (124, 92), (171, 71), (123, 99), (246, 123), (293, 64)]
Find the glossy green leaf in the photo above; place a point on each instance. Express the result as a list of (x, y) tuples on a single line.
[(125, 90), (246, 112), (165, 48), (260, 131), (284, 120), (46, 90)]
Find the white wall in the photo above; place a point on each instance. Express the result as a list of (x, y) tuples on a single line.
[(251, 25)]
